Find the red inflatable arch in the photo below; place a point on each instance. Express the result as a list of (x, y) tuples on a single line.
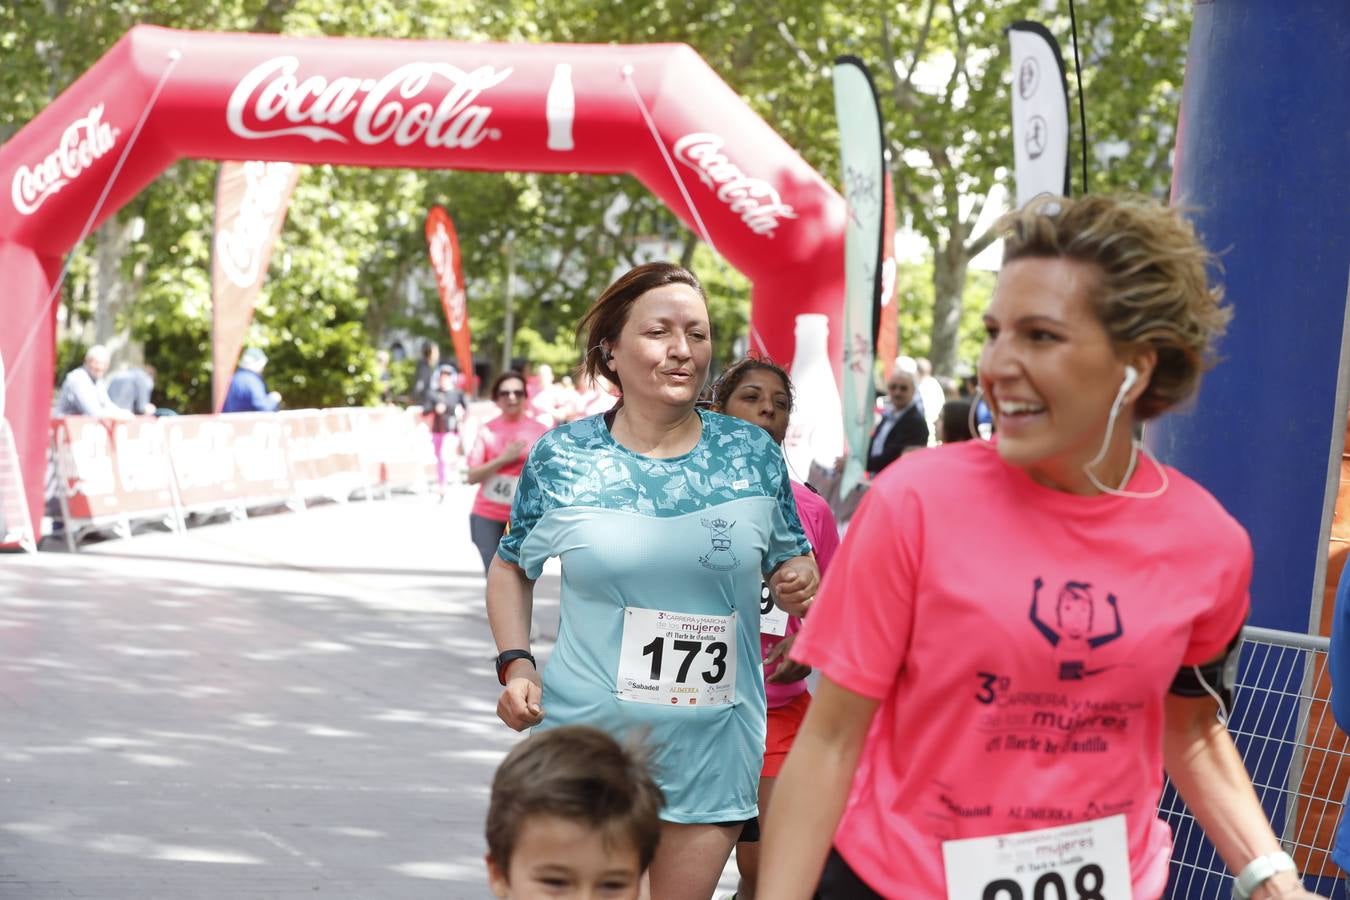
[(656, 111)]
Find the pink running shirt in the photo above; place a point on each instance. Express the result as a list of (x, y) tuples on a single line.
[(493, 437), (1021, 641), (823, 533)]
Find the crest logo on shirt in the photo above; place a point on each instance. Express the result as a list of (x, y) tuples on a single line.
[(719, 558), (1070, 630)]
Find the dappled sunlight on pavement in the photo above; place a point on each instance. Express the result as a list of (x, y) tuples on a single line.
[(296, 705)]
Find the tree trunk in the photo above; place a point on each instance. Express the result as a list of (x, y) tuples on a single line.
[(949, 281), (112, 291)]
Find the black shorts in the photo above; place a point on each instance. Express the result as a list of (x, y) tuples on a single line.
[(749, 829), (839, 882)]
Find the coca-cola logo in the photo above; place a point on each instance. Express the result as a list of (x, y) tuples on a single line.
[(84, 141), (443, 261), (240, 245), (753, 199), (271, 101)]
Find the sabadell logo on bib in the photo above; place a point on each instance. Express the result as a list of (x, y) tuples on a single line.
[(84, 141), (273, 101)]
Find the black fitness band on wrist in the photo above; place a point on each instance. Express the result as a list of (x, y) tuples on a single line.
[(506, 657)]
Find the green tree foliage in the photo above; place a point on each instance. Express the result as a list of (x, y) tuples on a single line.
[(350, 269)]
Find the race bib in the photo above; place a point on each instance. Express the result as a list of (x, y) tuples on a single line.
[(677, 659), (501, 488), (1086, 861), (772, 620)]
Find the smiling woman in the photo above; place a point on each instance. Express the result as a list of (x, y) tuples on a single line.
[(666, 520), (1101, 580)]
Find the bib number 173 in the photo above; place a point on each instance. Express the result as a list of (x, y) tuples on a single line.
[(677, 659)]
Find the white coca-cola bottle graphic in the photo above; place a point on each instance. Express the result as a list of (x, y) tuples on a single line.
[(816, 430), (561, 108)]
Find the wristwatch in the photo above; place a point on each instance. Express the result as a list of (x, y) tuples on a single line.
[(506, 657), (1259, 871)]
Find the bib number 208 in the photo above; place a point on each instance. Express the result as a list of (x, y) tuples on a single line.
[(1088, 883)]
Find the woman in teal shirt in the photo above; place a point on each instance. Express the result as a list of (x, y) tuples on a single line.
[(665, 519)]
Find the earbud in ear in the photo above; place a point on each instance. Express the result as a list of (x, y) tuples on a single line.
[(609, 356), (1131, 376)]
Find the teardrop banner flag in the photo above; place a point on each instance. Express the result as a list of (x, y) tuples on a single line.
[(888, 308), (864, 165), (443, 245), (1040, 111), (251, 203)]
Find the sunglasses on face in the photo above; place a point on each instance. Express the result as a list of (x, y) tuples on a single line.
[(510, 393)]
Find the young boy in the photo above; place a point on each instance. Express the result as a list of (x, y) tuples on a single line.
[(573, 814)]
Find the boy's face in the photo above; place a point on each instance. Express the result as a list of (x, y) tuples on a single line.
[(557, 857)]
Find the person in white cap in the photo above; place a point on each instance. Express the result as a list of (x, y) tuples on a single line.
[(248, 392)]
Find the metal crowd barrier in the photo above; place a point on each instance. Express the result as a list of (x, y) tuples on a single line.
[(1298, 759)]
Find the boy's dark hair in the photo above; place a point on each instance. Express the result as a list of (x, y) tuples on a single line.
[(580, 774)]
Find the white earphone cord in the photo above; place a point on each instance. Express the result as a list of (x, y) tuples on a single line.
[(1136, 449)]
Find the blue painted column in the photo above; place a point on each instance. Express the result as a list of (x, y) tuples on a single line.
[(1263, 162)]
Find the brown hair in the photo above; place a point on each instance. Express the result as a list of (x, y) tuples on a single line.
[(580, 774), (504, 377), (1152, 290), (735, 373), (605, 319)]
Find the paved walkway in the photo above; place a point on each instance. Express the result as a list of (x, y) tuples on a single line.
[(299, 705)]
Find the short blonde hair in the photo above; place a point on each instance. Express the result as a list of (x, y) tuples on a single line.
[(1153, 289)]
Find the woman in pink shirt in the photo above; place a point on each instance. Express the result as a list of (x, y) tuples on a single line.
[(495, 462), (1017, 638), (756, 390)]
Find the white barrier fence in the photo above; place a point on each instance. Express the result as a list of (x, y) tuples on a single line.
[(112, 472)]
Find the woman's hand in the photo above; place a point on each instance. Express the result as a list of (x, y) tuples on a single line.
[(519, 705), (794, 585), (512, 452), (789, 671), (1284, 886)]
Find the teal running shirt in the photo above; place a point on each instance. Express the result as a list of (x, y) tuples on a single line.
[(662, 563)]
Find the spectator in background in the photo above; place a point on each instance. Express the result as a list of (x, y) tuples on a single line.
[(931, 396), (496, 461), (83, 392), (382, 377), (902, 424), (248, 392), (130, 389), (549, 402), (445, 403), (593, 398), (954, 422), (424, 378), (570, 399)]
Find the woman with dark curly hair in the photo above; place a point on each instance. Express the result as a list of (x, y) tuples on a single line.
[(758, 391), (995, 722)]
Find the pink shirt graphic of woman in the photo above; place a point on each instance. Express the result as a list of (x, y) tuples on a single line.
[(1073, 625)]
